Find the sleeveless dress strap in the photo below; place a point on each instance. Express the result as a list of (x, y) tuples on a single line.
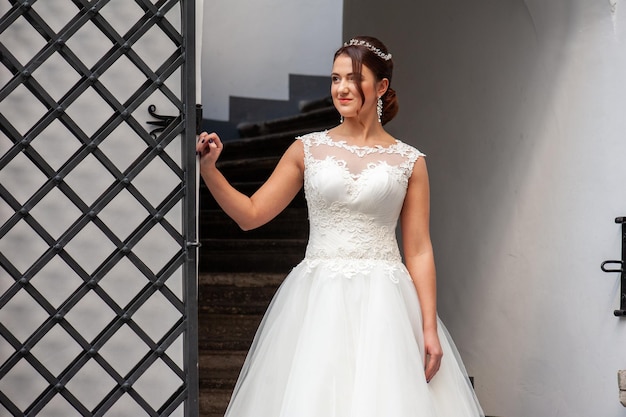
[(412, 155)]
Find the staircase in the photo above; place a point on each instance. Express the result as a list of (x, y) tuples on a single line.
[(240, 271)]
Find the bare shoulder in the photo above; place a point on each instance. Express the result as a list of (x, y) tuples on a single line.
[(296, 149), (295, 154)]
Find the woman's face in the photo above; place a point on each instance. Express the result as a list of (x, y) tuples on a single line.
[(345, 93)]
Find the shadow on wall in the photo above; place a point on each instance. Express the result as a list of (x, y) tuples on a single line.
[(474, 80), (476, 83)]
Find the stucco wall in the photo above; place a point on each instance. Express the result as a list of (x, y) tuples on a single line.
[(519, 107)]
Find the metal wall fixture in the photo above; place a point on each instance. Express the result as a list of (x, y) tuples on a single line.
[(619, 268), (163, 121)]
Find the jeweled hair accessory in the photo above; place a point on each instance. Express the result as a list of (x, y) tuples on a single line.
[(358, 42)]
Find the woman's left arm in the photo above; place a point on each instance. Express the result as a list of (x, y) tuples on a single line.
[(420, 262)]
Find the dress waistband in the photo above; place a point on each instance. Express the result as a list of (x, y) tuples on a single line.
[(352, 267)]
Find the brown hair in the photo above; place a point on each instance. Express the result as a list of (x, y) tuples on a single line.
[(362, 55)]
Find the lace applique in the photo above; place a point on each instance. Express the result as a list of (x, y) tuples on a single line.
[(362, 237), (353, 205), (402, 171), (360, 151)]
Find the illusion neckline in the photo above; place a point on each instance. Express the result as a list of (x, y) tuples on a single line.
[(346, 145)]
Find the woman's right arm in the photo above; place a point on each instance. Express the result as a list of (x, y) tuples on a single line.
[(268, 201)]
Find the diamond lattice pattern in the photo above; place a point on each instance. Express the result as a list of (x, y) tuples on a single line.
[(91, 227)]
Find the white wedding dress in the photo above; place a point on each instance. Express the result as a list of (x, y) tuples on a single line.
[(342, 336)]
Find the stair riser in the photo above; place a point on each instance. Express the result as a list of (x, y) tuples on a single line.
[(297, 125), (270, 145), (248, 262), (227, 331), (228, 299), (213, 402), (221, 255), (220, 370), (248, 170), (248, 188), (291, 224), (253, 280)]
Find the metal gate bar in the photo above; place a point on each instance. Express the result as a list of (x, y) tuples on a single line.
[(185, 258)]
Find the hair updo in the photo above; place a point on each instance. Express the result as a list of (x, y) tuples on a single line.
[(363, 55)]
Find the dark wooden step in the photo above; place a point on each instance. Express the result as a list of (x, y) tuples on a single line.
[(316, 119), (227, 331), (290, 224), (317, 104), (248, 279), (213, 402), (248, 169), (231, 299), (274, 144), (235, 300), (220, 369), (248, 188), (258, 255)]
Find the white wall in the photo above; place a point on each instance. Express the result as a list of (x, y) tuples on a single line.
[(520, 108), (251, 47)]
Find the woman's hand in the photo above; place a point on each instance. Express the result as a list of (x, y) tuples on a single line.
[(271, 198), (209, 147), (433, 352)]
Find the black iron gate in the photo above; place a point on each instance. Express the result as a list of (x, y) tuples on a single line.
[(97, 208)]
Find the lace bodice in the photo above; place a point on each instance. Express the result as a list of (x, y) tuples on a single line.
[(354, 196)]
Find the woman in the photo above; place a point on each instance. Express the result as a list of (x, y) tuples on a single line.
[(352, 331)]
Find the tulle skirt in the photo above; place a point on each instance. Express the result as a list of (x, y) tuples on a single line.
[(337, 345)]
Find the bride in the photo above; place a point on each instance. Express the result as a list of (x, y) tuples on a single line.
[(353, 330)]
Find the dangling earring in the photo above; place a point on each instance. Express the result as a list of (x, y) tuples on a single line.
[(379, 109), (341, 119)]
